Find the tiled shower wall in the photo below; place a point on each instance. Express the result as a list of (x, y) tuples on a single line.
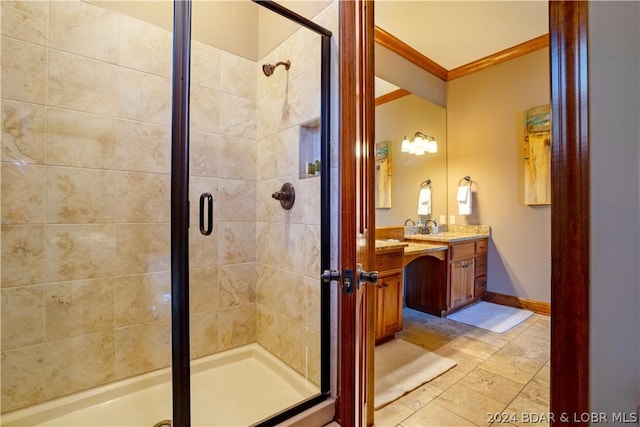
[(86, 98)]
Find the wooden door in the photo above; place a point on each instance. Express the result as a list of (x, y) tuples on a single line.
[(357, 159)]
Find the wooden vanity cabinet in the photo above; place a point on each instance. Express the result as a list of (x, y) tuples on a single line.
[(442, 287), (388, 294)]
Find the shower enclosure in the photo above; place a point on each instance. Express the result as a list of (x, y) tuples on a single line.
[(96, 225)]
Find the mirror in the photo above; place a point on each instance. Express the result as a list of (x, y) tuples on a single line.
[(383, 174), (397, 117)]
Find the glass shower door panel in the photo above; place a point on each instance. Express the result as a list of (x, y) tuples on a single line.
[(85, 253), (254, 282)]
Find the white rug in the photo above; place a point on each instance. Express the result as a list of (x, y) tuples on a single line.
[(401, 367), (493, 317)]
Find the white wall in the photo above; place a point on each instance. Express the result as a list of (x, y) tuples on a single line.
[(485, 138), (614, 102)]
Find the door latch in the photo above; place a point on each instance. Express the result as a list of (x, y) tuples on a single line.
[(346, 276)]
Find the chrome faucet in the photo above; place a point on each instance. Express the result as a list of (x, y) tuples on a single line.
[(427, 229), (407, 221)]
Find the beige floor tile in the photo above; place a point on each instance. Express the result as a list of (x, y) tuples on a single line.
[(429, 341), (528, 412), (469, 404), (474, 347), (538, 391), (544, 374), (465, 362), (420, 396), (518, 372), (541, 329), (392, 414), (492, 338), (492, 385), (527, 350), (449, 378), (435, 415)]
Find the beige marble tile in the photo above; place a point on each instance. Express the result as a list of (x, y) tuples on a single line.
[(237, 326), (237, 242), (538, 391), (522, 409), (528, 350), (80, 139), (488, 337), (473, 347), (78, 196), (433, 414), (238, 158), (142, 248), (305, 253), (204, 289), (204, 159), (239, 76), (280, 291), (465, 362), (306, 209), (419, 397), (303, 98), (391, 415), (312, 301), (448, 379), (22, 316), (205, 109), (23, 189), (23, 132), (142, 298), (84, 29), (78, 308), (205, 65), (22, 377), (24, 71), (281, 337), (144, 97), (82, 251), (491, 385), (78, 363), (142, 197), (26, 20), (469, 404), (238, 117), (82, 84), (267, 209), (516, 371), (142, 348), (267, 157), (312, 355), (544, 374), (237, 200), (270, 247), (145, 47), (23, 255), (204, 333), (429, 341), (541, 329), (237, 284), (203, 250), (143, 147)]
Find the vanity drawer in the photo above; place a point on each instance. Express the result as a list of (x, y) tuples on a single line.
[(459, 251), (389, 261), (481, 246)]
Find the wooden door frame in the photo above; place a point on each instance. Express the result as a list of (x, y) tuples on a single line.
[(570, 195), (569, 209)]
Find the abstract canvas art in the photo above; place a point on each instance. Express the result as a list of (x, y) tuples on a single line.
[(383, 174), (537, 156)]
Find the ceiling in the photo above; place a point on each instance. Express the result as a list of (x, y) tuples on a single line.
[(455, 33)]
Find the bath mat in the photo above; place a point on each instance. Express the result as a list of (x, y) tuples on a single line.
[(400, 367), (493, 317)]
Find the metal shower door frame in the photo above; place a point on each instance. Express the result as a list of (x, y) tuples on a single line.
[(180, 339)]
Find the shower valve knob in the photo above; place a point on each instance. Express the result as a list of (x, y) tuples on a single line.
[(286, 195)]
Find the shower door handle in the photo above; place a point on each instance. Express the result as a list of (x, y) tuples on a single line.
[(206, 196)]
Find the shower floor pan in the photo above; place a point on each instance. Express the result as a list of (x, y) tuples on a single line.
[(238, 387)]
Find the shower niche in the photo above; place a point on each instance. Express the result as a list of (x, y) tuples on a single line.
[(309, 149)]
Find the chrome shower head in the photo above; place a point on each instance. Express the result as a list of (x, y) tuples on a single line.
[(268, 69)]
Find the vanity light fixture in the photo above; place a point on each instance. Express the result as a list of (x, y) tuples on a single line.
[(419, 145)]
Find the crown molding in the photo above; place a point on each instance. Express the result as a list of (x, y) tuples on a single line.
[(391, 96)]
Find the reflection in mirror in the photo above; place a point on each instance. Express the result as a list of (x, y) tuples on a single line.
[(404, 116), (383, 174)]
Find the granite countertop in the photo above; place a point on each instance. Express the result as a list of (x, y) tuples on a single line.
[(446, 237), (409, 247)]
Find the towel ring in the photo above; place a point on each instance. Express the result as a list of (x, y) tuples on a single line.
[(466, 178), (426, 183)]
